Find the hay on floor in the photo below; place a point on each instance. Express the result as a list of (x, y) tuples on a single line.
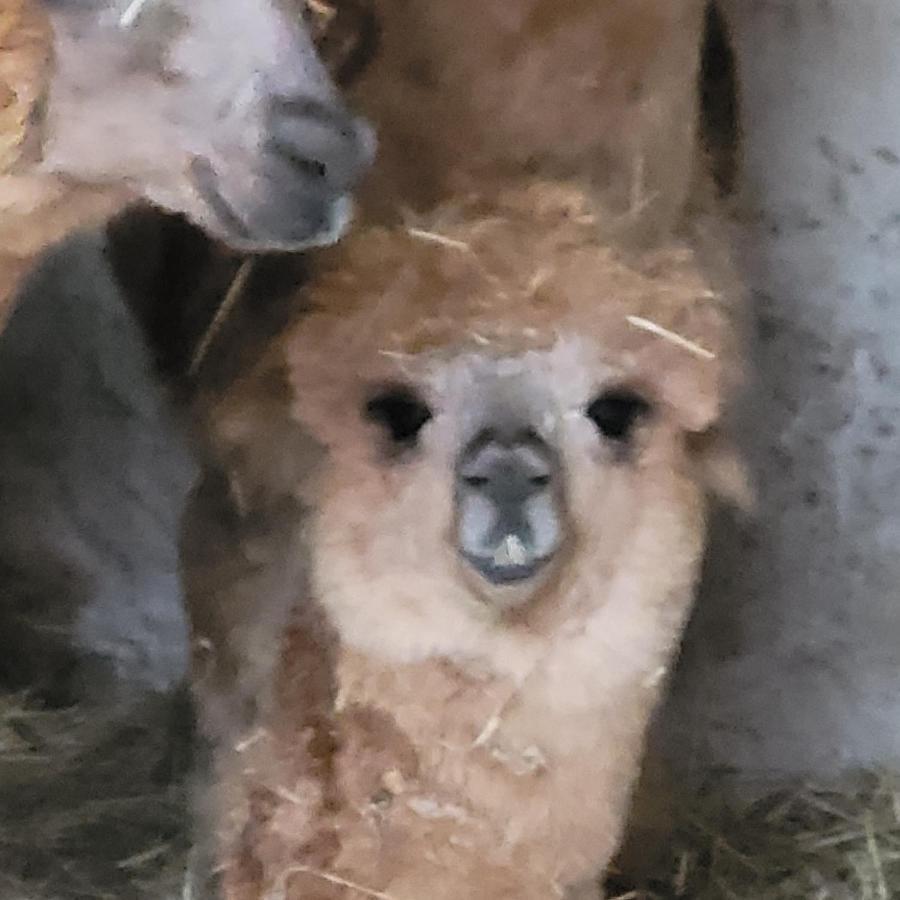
[(93, 806), (801, 842)]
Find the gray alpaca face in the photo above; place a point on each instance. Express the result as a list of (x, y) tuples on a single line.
[(219, 109)]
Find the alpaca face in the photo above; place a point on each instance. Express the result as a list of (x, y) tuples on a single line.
[(217, 108), (500, 451), (500, 436)]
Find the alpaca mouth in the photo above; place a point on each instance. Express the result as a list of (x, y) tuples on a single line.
[(502, 574), (205, 182), (290, 227)]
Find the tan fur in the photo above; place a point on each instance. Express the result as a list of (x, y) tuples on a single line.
[(35, 210), (460, 93), (604, 89), (441, 750), (24, 64)]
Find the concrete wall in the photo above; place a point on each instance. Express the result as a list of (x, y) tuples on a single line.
[(792, 662)]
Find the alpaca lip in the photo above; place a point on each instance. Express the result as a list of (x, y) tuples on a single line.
[(500, 575), (203, 177)]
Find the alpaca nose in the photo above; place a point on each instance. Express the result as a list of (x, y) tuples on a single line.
[(509, 516), (322, 141), (300, 195)]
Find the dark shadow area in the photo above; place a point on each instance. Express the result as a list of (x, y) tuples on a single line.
[(719, 102)]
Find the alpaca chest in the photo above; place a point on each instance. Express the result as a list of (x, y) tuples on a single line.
[(483, 776)]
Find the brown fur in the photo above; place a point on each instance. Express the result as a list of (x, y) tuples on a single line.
[(246, 559), (468, 755), (603, 89), (24, 65)]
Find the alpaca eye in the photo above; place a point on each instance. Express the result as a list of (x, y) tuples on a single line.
[(616, 412), (400, 411)]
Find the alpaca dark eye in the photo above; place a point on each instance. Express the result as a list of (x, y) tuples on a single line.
[(616, 412), (400, 411)]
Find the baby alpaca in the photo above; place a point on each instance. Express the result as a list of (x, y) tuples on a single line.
[(519, 431)]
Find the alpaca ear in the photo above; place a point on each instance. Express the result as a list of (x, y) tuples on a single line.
[(691, 383), (722, 469), (693, 400)]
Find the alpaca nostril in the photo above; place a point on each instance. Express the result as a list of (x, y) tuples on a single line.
[(321, 140), (312, 168), (506, 482), (506, 472)]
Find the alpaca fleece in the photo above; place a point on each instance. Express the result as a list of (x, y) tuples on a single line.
[(599, 89), (417, 742)]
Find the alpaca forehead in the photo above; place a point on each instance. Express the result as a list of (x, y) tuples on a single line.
[(124, 15), (563, 373), (267, 30)]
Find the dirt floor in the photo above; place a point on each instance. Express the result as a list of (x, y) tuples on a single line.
[(94, 807)]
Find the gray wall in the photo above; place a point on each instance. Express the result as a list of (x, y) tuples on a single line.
[(792, 663)]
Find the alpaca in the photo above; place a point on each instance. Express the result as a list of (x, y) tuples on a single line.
[(620, 78), (518, 423), (220, 110), (606, 91)]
